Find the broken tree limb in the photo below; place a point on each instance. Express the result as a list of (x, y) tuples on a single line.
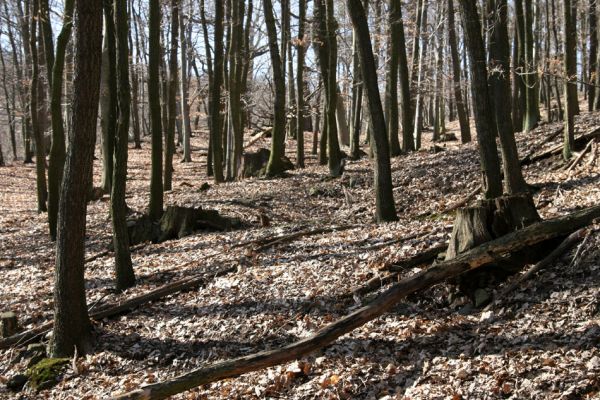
[(113, 309), (395, 268), (269, 241), (297, 235), (548, 260), (455, 205), (579, 141), (548, 139), (469, 260), (583, 153)]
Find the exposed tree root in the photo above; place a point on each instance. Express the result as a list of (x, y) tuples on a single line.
[(469, 260)]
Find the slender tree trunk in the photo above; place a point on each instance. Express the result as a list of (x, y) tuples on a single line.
[(28, 133), (499, 50), (570, 62), (215, 95), (72, 328), (385, 207), (418, 107), (275, 165), (10, 112), (156, 183), (171, 98), (391, 92), (109, 101), (532, 112), (185, 105), (357, 100), (58, 149), (333, 148), (484, 117), (38, 134), (407, 115), (123, 268), (463, 119), (300, 50)]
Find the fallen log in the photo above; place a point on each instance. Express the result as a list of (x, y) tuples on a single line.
[(469, 260), (110, 310), (545, 262)]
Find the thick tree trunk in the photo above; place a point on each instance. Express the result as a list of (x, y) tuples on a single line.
[(72, 328)]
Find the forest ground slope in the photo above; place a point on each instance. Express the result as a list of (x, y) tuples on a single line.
[(541, 341)]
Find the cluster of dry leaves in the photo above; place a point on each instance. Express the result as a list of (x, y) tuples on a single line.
[(541, 341)]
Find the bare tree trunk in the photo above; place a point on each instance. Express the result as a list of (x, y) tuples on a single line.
[(385, 207), (484, 117), (38, 134), (463, 120), (123, 267), (156, 183), (72, 328)]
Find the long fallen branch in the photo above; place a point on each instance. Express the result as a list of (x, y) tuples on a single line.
[(545, 262), (579, 141), (580, 157), (113, 309), (269, 241), (466, 261), (422, 258)]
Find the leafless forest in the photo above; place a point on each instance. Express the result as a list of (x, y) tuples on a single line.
[(296, 199)]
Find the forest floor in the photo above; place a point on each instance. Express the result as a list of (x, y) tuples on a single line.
[(542, 341)]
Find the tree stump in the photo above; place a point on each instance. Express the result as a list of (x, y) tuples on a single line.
[(176, 223), (254, 164), (488, 220), (10, 324)]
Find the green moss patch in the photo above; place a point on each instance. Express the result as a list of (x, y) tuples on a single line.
[(46, 372)]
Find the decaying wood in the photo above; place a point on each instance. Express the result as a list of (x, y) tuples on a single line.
[(10, 324), (485, 221), (469, 260), (113, 309), (548, 260)]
